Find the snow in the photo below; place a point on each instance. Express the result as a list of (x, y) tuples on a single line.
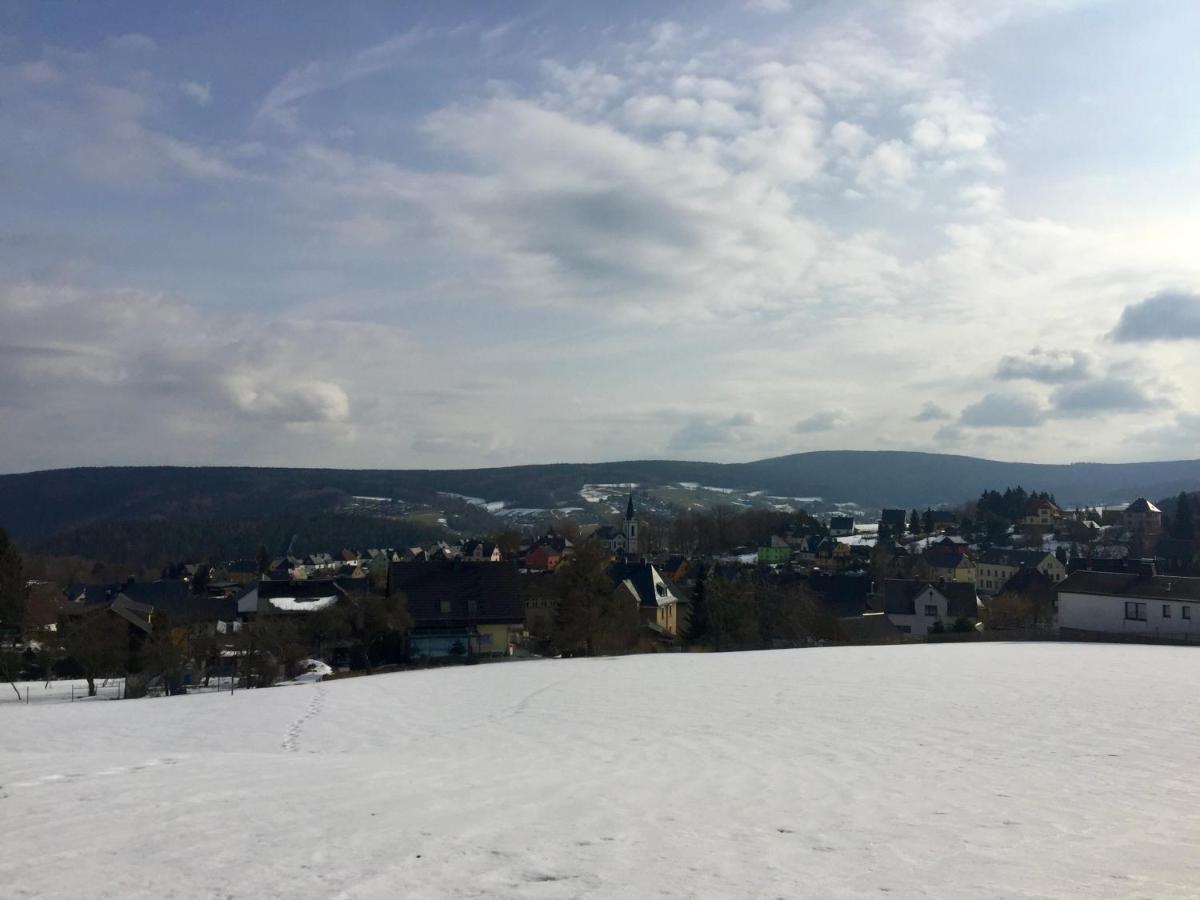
[(291, 604), (984, 770)]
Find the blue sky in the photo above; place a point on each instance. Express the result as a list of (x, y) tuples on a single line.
[(482, 234)]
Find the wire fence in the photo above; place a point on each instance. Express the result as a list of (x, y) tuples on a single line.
[(61, 691)]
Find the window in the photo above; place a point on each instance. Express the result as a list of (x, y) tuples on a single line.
[(1166, 610), (930, 609), (445, 607), (1135, 612), (904, 629), (1186, 613)]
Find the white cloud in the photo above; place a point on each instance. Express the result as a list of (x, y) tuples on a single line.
[(889, 165), (323, 75), (200, 93), (1003, 411)]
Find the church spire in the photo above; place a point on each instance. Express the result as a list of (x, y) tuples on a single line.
[(629, 508)]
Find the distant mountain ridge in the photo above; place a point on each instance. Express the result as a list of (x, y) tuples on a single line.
[(38, 505)]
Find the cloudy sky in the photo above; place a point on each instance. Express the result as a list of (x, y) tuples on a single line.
[(450, 234)]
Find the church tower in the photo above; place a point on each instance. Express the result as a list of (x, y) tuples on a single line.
[(629, 529)]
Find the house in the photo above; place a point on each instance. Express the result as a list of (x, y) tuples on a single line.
[(950, 566), (1140, 603), (481, 551), (895, 521), (305, 596), (660, 603), (1041, 512), (460, 608), (832, 555), (914, 606), (841, 526), (543, 558), (1142, 516), (539, 602), (806, 549), (941, 518), (778, 551), (997, 566)]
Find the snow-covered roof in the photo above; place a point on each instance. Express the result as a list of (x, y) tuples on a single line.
[(292, 604)]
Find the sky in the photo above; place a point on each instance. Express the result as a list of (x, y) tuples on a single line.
[(454, 235)]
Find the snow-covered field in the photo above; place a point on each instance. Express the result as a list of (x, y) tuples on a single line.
[(988, 770)]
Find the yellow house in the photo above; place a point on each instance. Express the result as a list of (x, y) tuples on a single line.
[(951, 567)]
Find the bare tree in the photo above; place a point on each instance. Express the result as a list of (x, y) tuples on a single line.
[(99, 645)]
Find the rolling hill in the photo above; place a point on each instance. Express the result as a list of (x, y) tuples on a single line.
[(225, 511)]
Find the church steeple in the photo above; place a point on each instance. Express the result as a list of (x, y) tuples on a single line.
[(629, 509)]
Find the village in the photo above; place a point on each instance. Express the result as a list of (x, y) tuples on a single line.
[(1012, 566)]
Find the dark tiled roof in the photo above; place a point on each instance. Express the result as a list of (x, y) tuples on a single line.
[(641, 576), (1006, 556), (945, 560), (477, 595), (1131, 584), (1027, 581), (1141, 505), (961, 600), (899, 596)]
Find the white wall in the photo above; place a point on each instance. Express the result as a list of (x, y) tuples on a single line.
[(1092, 612)]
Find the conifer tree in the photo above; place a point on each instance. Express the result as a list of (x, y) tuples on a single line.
[(1183, 526), (697, 629), (12, 586)]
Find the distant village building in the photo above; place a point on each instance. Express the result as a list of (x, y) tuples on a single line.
[(997, 567), (894, 520), (915, 606), (841, 526), (662, 607), (1042, 513), (1141, 603), (1142, 515)]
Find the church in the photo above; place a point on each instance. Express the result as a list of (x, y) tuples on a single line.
[(623, 539)]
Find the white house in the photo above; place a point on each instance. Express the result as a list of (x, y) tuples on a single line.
[(1130, 603), (915, 606)]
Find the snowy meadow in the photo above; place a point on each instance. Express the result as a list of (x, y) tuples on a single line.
[(1039, 770)]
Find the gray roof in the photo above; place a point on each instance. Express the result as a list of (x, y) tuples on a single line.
[(1132, 585), (641, 579), (899, 597), (1007, 556)]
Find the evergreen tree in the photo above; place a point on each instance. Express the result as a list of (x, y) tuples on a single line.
[(928, 520), (697, 628), (12, 586), (914, 523), (263, 559), (1183, 525)]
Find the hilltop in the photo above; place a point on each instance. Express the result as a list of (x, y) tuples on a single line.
[(229, 510), (985, 770)]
